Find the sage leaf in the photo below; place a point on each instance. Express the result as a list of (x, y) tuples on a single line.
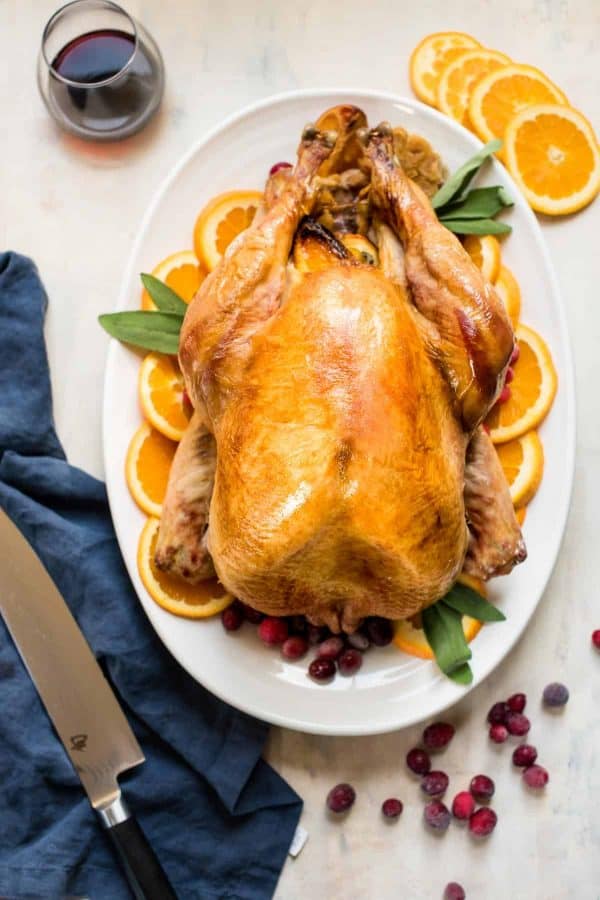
[(143, 328), (456, 185), (480, 203), (476, 226), (468, 602), (444, 632), (164, 297)]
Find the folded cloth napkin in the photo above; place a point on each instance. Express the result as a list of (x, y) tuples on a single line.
[(220, 819)]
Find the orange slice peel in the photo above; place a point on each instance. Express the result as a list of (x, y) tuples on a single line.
[(161, 394), (221, 221), (431, 56)]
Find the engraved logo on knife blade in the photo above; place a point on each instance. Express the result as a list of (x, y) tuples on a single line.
[(78, 742)]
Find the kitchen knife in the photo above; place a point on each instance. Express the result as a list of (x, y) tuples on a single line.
[(79, 701)]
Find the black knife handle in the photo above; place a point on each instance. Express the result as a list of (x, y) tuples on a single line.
[(144, 873)]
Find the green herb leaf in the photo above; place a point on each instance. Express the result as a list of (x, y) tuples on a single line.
[(469, 603), (164, 297), (480, 203), (477, 226), (456, 185), (143, 328), (462, 675), (444, 633)]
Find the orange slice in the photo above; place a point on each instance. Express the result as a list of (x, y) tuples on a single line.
[(221, 220), (181, 272), (410, 637), (192, 601), (160, 389), (520, 513), (531, 391), (431, 56), (507, 288), (485, 253), (361, 248), (147, 468), (553, 155), (499, 96), (461, 75), (523, 464)]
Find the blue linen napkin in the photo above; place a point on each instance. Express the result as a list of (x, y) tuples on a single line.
[(220, 819)]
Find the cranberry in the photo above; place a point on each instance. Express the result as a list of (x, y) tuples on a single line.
[(380, 631), (186, 400), (392, 808), (294, 647), (485, 427), (515, 354), (331, 648), (359, 640), (435, 784), (498, 733), (517, 702), (272, 630), (463, 805), (298, 625), (536, 777), (341, 797), (322, 669), (524, 755), (350, 661), (555, 694), (437, 815), (280, 165), (233, 617), (482, 787), (517, 724), (418, 761), (510, 374), (252, 615), (316, 634), (438, 735), (505, 394), (498, 713), (454, 891), (483, 822), (596, 638)]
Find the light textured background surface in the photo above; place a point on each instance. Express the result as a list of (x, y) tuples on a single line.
[(75, 208)]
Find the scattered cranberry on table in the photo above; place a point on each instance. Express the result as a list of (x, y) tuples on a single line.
[(273, 630), (438, 735), (555, 694), (517, 702), (517, 724), (483, 821), (341, 797), (536, 777), (294, 647), (435, 784), (463, 806), (524, 755), (498, 733), (454, 891), (232, 617), (322, 669), (392, 808), (350, 662), (482, 787), (498, 713), (596, 638), (437, 815), (418, 761)]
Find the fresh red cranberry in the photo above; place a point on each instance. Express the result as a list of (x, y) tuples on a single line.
[(186, 400), (322, 669), (555, 694), (524, 755), (485, 427), (298, 625), (483, 821), (392, 808), (498, 733), (341, 797), (280, 165), (517, 702), (435, 784), (454, 891), (252, 615), (232, 617), (437, 815), (515, 354), (350, 661), (510, 374), (536, 777), (317, 634), (482, 787), (330, 648), (294, 647), (418, 761), (505, 394), (359, 640), (596, 638), (498, 713), (517, 724), (438, 735), (463, 805), (272, 630), (380, 631)]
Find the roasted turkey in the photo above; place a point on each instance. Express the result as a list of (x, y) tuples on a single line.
[(335, 465)]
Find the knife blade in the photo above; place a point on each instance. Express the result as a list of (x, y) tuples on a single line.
[(79, 701)]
